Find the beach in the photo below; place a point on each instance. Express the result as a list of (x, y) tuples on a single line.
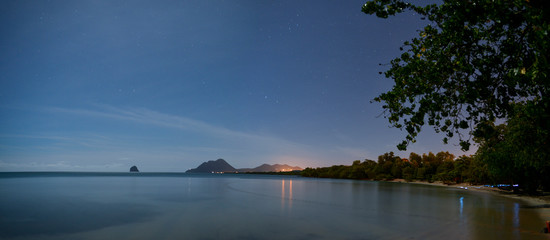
[(540, 203)]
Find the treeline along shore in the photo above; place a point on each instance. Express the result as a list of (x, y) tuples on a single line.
[(442, 167), (430, 167)]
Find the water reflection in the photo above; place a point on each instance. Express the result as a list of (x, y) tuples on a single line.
[(255, 207), (516, 219), (283, 194), (461, 206), (286, 201)]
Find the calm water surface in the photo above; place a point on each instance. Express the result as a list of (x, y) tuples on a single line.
[(184, 206)]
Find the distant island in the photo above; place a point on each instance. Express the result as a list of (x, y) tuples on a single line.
[(134, 169), (217, 166), (221, 166)]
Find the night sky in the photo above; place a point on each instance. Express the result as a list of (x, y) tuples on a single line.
[(167, 85)]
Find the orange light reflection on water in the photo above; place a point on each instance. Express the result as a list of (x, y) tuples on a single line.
[(286, 202)]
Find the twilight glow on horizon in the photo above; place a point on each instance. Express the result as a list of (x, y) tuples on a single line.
[(167, 85)]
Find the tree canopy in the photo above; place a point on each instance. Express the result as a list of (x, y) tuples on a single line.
[(468, 66), (426, 167), (518, 152)]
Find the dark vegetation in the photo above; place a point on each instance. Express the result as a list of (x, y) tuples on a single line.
[(427, 167), (475, 63)]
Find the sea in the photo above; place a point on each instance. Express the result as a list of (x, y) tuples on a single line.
[(72, 205)]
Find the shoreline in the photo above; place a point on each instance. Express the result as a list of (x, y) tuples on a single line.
[(541, 204)]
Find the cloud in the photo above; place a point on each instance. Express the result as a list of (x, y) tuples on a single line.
[(187, 143), (247, 147), (150, 117), (59, 166)]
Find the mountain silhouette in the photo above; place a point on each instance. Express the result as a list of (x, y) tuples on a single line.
[(270, 168), (217, 166)]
